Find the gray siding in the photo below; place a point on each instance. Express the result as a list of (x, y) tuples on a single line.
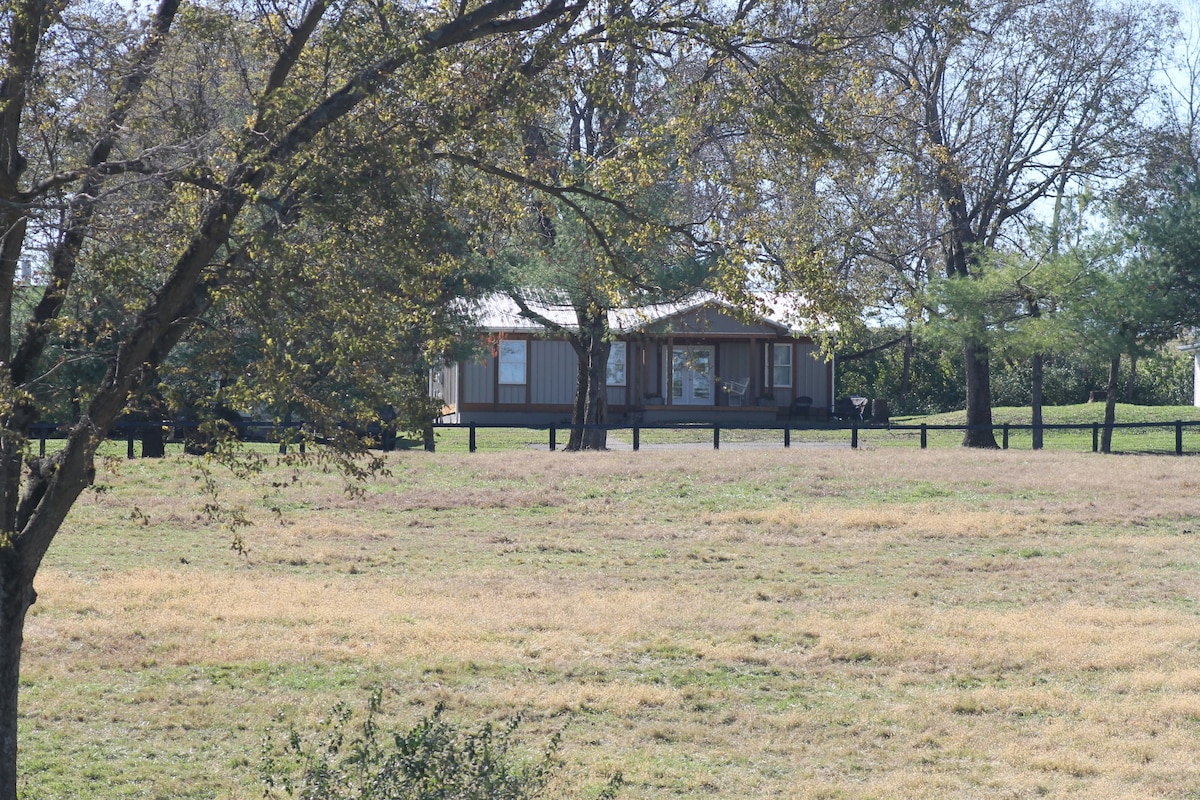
[(812, 376), (552, 366), (443, 384), (450, 384), (733, 361), (512, 393), (479, 382)]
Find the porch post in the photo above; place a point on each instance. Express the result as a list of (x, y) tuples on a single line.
[(460, 369), (495, 372), (752, 390), (669, 355), (629, 383), (643, 371), (528, 373), (768, 368), (717, 387), (830, 377)]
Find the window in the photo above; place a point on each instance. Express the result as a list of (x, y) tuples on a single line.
[(781, 365), (616, 364), (512, 362)]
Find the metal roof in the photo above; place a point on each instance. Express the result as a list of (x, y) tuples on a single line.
[(499, 313)]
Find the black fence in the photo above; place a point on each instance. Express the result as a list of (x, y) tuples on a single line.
[(850, 432), (161, 431)]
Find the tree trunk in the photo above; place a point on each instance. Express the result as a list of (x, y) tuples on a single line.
[(1039, 369), (906, 365), (16, 596), (12, 463), (590, 418), (579, 407), (1110, 405), (979, 399), (55, 482), (596, 410)]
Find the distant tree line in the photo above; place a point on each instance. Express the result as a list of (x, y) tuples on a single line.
[(933, 384)]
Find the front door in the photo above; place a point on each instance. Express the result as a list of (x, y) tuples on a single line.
[(692, 375)]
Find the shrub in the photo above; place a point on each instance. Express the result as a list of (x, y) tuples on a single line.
[(435, 760)]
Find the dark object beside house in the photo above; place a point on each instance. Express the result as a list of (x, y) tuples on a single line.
[(852, 407), (879, 412), (801, 407)]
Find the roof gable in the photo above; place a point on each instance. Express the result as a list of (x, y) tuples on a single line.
[(700, 314), (713, 317)]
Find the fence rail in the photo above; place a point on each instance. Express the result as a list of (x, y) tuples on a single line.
[(287, 435), (851, 429), (131, 432)]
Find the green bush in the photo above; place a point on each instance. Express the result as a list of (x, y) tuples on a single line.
[(435, 760), (1162, 378)]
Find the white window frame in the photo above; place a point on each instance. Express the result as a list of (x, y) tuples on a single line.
[(512, 360), (617, 365), (775, 364)]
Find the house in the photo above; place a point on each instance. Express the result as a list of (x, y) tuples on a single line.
[(698, 361), (1193, 350)]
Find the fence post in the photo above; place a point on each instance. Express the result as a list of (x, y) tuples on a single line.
[(1178, 437), (787, 435), (854, 436), (129, 444), (42, 444), (1095, 437), (471, 438), (1005, 437), (924, 436), (637, 438), (716, 436), (283, 447), (553, 437)]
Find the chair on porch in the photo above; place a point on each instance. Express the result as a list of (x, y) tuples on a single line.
[(801, 407), (736, 390)]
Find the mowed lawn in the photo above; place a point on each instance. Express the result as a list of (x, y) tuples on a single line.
[(803, 623)]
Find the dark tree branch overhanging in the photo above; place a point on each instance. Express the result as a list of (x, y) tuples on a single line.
[(35, 505)]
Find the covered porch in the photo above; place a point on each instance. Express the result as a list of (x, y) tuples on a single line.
[(711, 379)]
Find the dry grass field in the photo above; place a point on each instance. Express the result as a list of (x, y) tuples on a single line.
[(804, 623)]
